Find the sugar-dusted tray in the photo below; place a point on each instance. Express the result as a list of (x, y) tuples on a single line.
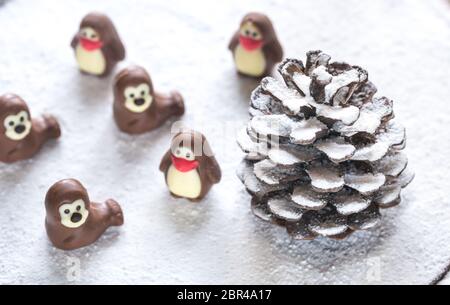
[(404, 46)]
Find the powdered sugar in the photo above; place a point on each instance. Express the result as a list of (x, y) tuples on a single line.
[(218, 241), (339, 81)]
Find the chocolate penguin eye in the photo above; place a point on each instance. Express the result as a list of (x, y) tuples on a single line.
[(177, 152), (132, 95), (254, 34), (78, 207), (188, 155), (22, 119), (142, 92), (247, 32), (11, 123), (67, 211), (93, 36)]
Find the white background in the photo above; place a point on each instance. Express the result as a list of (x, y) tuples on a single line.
[(405, 46)]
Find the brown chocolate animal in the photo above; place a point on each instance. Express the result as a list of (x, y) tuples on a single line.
[(72, 220), (137, 107), (189, 166), (21, 137), (97, 45), (255, 46)]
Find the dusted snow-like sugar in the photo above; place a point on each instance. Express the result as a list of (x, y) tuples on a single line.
[(217, 241)]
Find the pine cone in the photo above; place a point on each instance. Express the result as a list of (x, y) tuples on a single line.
[(323, 155)]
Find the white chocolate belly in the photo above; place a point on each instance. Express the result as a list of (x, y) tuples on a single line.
[(186, 184), (250, 62), (92, 62)]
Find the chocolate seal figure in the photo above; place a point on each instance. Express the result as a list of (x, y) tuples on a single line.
[(72, 220), (21, 136), (255, 46), (137, 107), (189, 166), (97, 45)]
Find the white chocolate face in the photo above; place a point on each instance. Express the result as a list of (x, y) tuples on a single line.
[(17, 126), (73, 215), (89, 33), (184, 153), (138, 99), (249, 30)]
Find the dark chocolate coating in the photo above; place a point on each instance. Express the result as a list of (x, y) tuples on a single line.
[(113, 49), (271, 48), (161, 108), (12, 125), (100, 216), (208, 169)]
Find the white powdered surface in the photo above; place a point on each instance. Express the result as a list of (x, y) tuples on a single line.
[(339, 81), (325, 178), (403, 44), (285, 209), (306, 131), (321, 73), (366, 184), (337, 151), (289, 97), (268, 125)]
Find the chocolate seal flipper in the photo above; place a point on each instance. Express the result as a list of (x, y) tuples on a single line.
[(21, 136), (115, 212), (177, 103), (255, 46), (189, 166), (72, 220), (51, 126), (97, 45), (137, 107)]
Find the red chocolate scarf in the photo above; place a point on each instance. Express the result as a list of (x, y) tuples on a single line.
[(90, 45), (250, 44), (184, 165)]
